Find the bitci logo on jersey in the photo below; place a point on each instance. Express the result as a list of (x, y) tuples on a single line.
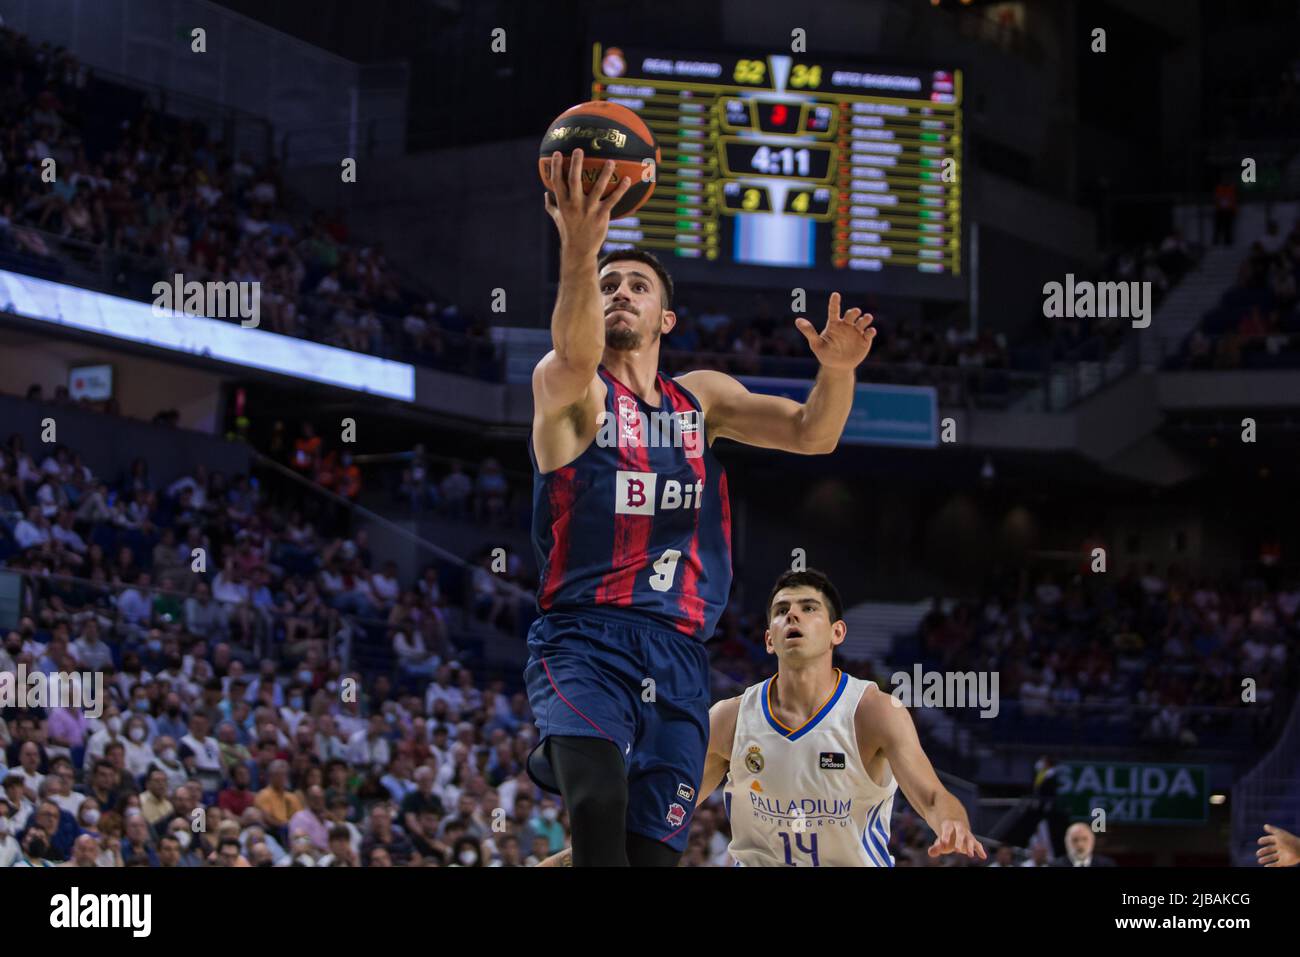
[(634, 493)]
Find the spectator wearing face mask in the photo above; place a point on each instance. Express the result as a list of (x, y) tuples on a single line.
[(546, 823), (58, 826), (171, 724), (179, 832), (110, 729), (466, 852), (167, 760), (139, 755), (35, 847)]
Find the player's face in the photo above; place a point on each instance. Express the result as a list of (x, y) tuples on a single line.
[(799, 625), (633, 302)]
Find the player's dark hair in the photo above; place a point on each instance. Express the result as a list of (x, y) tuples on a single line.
[(813, 579), (651, 260)]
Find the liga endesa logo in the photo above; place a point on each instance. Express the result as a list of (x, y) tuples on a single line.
[(57, 689)]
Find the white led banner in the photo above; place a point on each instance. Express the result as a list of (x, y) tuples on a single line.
[(126, 319)]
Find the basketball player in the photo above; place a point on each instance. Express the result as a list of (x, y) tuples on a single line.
[(631, 528), (812, 757)]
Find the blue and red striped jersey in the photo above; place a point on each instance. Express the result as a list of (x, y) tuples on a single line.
[(640, 521)]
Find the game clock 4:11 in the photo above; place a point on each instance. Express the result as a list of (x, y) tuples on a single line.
[(806, 161)]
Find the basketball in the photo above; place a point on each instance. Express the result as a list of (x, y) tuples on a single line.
[(605, 131)]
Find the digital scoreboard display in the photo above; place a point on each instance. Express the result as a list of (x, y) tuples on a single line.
[(846, 176)]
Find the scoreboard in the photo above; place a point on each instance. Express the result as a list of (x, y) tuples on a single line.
[(793, 168)]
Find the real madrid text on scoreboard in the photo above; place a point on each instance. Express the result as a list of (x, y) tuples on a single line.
[(843, 174)]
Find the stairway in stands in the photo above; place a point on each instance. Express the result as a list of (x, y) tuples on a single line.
[(1202, 288)]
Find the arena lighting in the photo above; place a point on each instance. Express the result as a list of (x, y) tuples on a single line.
[(1218, 799), (132, 321)]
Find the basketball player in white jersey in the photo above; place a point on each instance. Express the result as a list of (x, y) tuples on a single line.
[(813, 757)]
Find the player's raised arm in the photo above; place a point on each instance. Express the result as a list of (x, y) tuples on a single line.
[(774, 422), (578, 322), (882, 718)]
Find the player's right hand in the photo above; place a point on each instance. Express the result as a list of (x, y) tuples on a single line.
[(582, 218), (955, 837)]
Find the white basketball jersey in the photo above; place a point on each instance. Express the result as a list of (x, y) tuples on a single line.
[(800, 796)]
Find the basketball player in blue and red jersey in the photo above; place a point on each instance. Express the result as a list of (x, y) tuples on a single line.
[(631, 526)]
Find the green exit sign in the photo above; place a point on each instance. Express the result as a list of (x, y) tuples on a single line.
[(1134, 793)]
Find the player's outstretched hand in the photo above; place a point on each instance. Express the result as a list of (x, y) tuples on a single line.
[(845, 341), (1278, 848), (956, 838)]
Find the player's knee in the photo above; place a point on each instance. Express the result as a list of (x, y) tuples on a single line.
[(598, 799), (591, 774)]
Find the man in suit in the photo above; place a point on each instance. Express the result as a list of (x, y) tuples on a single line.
[(1079, 846)]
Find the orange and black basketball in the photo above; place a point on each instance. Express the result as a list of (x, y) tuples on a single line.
[(605, 131)]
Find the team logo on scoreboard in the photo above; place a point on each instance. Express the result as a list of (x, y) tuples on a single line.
[(754, 759), (613, 63), (676, 815)]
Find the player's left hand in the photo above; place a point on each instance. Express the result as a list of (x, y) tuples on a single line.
[(956, 838), (845, 341), (1278, 848)]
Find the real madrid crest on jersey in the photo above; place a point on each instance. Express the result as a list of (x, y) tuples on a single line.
[(754, 759)]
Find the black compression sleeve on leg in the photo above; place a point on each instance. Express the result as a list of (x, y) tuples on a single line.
[(643, 851), (593, 780)]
